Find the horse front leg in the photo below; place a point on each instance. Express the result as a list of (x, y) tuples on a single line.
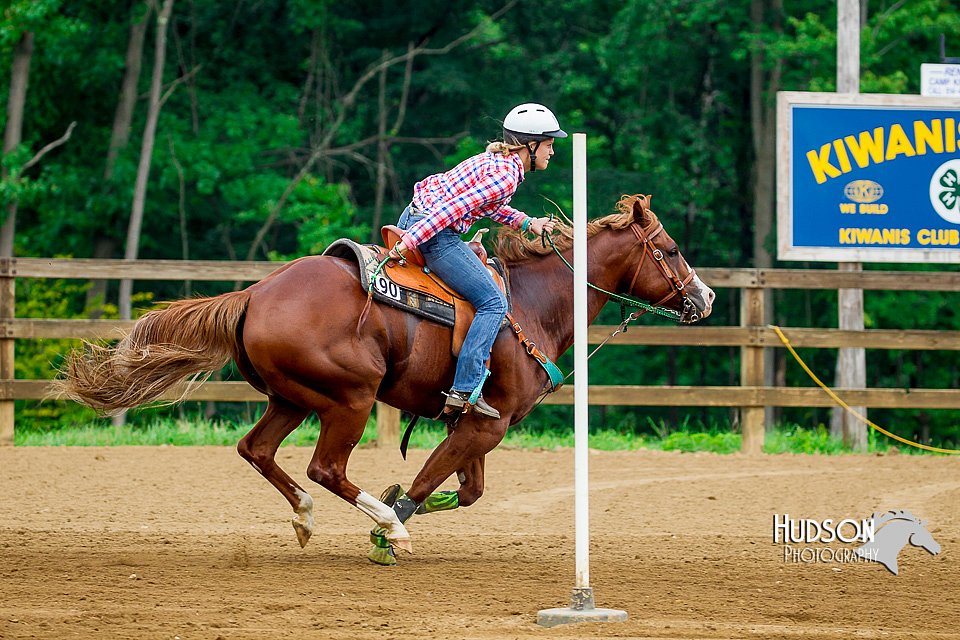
[(471, 484), (462, 452), (471, 488), (259, 448)]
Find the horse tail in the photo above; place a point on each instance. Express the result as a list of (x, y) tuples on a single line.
[(189, 338)]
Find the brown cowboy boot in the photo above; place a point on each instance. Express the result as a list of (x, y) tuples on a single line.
[(459, 402)]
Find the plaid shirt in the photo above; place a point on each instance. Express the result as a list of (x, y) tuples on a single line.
[(478, 187)]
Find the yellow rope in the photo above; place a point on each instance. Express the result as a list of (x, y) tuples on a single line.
[(847, 408)]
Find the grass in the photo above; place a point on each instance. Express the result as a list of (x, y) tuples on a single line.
[(428, 434)]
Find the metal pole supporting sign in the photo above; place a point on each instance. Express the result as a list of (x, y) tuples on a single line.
[(582, 607)]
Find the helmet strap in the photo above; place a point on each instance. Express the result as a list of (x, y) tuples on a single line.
[(533, 153)]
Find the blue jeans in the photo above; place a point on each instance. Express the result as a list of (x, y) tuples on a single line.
[(452, 260)]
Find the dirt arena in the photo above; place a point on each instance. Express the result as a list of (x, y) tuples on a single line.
[(192, 543)]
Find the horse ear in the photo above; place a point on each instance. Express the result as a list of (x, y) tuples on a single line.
[(641, 209)]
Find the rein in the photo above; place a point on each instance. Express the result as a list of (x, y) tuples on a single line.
[(627, 301), (644, 237), (679, 287)]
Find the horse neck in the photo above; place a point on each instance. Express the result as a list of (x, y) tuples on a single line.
[(543, 293)]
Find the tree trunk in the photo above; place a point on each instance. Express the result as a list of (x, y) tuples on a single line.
[(20, 75), (143, 170), (123, 117), (103, 248), (381, 157), (119, 137), (146, 153)]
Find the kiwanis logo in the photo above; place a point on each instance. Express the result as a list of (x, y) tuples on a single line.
[(883, 536), (863, 196), (863, 191), (945, 191)]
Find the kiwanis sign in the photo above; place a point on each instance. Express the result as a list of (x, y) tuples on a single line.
[(868, 178)]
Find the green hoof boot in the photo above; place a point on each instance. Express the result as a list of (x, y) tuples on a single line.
[(381, 553)]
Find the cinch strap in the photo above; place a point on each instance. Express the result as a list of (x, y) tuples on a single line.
[(553, 371)]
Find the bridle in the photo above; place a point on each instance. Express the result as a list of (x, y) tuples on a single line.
[(678, 287)]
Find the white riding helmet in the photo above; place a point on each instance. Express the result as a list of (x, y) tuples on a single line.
[(529, 124), (531, 121)]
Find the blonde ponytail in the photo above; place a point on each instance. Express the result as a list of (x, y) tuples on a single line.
[(502, 148)]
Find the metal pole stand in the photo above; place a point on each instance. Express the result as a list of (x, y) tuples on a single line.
[(581, 609)]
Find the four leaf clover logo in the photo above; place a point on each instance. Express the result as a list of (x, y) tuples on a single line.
[(950, 196)]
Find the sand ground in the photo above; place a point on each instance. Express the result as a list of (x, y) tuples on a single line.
[(191, 543)]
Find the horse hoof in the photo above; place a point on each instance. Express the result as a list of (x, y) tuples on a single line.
[(391, 494), (385, 557), (404, 543), (381, 553), (303, 521), (303, 533)]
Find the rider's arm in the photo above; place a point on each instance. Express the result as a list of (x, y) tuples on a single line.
[(490, 188), (509, 216)]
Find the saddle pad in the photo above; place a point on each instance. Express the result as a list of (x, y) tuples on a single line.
[(385, 289), (410, 287)]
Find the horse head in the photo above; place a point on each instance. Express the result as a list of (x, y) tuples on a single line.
[(899, 527), (924, 539), (662, 275)]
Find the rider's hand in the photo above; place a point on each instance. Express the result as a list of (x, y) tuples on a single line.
[(539, 225), (396, 253)]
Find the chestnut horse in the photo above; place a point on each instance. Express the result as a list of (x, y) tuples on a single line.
[(294, 336)]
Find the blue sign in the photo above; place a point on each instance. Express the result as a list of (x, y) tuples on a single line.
[(872, 183)]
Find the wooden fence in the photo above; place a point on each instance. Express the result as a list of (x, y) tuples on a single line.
[(752, 336)]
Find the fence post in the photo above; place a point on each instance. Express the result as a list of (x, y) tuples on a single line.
[(751, 371), (388, 425), (8, 291)]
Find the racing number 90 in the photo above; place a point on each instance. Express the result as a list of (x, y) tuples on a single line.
[(387, 288)]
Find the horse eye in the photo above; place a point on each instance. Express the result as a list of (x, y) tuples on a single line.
[(674, 251)]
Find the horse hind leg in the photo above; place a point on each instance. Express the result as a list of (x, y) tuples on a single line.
[(471, 488), (259, 448), (341, 427)]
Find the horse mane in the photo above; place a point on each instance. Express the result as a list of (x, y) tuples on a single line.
[(511, 245)]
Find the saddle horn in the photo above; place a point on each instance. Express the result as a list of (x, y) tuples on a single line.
[(478, 236)]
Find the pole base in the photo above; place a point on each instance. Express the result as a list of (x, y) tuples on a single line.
[(581, 609)]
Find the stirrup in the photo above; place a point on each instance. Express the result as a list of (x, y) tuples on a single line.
[(459, 402)]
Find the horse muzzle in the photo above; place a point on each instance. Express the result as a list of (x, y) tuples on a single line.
[(698, 303)]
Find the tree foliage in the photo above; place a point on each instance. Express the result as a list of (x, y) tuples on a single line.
[(269, 145)]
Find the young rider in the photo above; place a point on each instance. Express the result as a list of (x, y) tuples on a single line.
[(446, 204)]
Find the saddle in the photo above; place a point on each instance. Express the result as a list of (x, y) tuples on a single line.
[(411, 285)]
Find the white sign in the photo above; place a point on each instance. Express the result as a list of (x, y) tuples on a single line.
[(941, 80)]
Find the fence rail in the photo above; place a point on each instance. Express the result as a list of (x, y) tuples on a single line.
[(622, 395), (752, 337)]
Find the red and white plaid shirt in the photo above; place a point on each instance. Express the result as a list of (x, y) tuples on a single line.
[(478, 187)]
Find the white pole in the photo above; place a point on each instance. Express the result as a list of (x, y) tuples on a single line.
[(582, 607), (581, 379)]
